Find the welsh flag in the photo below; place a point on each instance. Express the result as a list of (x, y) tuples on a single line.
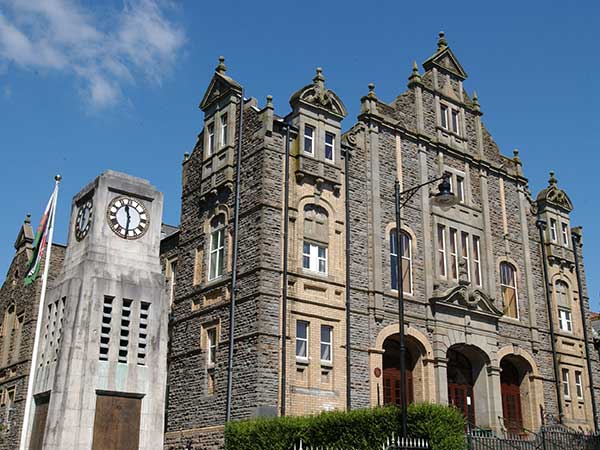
[(40, 243)]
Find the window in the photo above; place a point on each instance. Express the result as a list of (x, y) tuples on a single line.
[(329, 146), (453, 254), (565, 383), (301, 339), (9, 402), (508, 285), (224, 130), (564, 320), (460, 189), (466, 258), (579, 384), (124, 330), (406, 256), (553, 231), (565, 234), (171, 270), (217, 247), (477, 259), (143, 333), (455, 120), (444, 116), (211, 138), (314, 257), (326, 343), (441, 235), (211, 346), (309, 139)]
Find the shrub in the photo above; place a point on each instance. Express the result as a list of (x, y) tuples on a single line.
[(365, 429)]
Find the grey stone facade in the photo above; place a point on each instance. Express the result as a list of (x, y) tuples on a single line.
[(409, 140)]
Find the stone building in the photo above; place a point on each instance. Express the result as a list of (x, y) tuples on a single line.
[(477, 323), (19, 309)]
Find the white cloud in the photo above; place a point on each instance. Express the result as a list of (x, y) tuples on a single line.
[(105, 48)]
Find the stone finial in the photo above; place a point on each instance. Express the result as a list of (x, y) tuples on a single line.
[(371, 93), (319, 76), (186, 156), (442, 43), (476, 101), (415, 76), (516, 158), (28, 218), (552, 181), (269, 102), (221, 67)]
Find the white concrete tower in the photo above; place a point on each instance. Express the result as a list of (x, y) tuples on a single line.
[(100, 380)]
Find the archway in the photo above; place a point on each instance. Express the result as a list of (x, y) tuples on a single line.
[(391, 370), (461, 384), (510, 387)]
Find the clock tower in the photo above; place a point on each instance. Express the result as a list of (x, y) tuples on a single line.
[(100, 381)]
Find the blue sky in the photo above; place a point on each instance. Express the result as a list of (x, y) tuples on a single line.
[(88, 86)]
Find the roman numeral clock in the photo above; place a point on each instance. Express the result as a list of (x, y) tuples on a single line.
[(127, 217)]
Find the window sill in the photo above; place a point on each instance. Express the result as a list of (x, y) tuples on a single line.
[(406, 294), (302, 361), (327, 364), (210, 366)]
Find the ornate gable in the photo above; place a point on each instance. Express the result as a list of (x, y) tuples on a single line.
[(219, 86), (554, 196), (318, 95), (445, 60)]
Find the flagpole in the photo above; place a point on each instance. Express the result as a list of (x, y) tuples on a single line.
[(38, 325)]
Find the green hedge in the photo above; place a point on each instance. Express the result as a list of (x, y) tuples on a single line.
[(365, 429)]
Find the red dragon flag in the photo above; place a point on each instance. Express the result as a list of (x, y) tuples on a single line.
[(40, 243)]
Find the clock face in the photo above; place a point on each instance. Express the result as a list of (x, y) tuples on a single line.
[(84, 219), (127, 217)]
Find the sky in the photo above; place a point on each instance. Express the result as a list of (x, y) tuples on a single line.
[(87, 86)]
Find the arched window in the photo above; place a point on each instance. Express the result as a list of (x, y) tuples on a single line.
[(217, 247), (563, 303), (406, 256), (508, 284), (316, 238)]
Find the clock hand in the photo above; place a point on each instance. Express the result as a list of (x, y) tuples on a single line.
[(128, 219)]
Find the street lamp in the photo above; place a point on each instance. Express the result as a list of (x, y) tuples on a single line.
[(445, 199)]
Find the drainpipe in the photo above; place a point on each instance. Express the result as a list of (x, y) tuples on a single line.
[(348, 328), (284, 295), (576, 240), (236, 224), (541, 225)]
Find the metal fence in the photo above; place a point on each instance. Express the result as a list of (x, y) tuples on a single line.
[(393, 443), (548, 438)]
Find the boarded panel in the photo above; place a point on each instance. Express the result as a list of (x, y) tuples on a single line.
[(117, 423), (39, 422)]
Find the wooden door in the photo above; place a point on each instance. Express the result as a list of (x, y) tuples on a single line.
[(391, 387), (117, 423), (39, 422), (511, 398), (461, 397)]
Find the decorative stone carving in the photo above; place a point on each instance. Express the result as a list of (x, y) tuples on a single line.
[(554, 196), (318, 95)]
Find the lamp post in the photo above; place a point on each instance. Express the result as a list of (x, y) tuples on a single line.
[(444, 198)]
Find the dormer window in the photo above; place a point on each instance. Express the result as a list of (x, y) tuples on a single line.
[(329, 146), (211, 138), (224, 130), (309, 139)]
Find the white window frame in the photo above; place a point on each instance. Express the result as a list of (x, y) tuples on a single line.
[(224, 130), (454, 253), (477, 260), (460, 189), (314, 258), (515, 286), (553, 230), (311, 137), (211, 347), (566, 388), (579, 384), (407, 256), (219, 234), (444, 116), (466, 251), (210, 130), (306, 339), (455, 120), (565, 319), (330, 146), (443, 267), (565, 233), (325, 344)]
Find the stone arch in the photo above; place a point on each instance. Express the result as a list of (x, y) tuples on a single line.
[(423, 371), (530, 385)]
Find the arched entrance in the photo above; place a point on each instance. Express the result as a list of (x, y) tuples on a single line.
[(461, 384), (391, 371), (510, 386)]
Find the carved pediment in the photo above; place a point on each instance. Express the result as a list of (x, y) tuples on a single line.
[(554, 196), (219, 86), (318, 95), (445, 60), (465, 296)]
